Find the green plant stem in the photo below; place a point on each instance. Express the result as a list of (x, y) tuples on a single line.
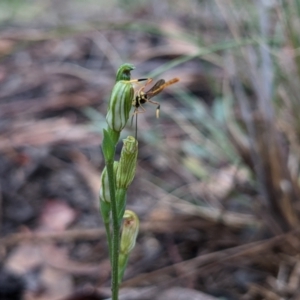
[(121, 200), (108, 235), (115, 232), (113, 135)]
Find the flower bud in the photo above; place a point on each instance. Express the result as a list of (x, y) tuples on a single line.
[(104, 190), (120, 105), (129, 231), (127, 164), (124, 72)]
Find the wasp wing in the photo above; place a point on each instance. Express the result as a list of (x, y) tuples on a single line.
[(156, 89)]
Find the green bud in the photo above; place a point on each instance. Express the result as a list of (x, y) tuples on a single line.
[(129, 231), (128, 238), (124, 72), (120, 105), (127, 164), (104, 190)]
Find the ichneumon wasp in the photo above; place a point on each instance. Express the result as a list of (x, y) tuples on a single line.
[(141, 97)]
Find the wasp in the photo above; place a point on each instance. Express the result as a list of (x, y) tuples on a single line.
[(141, 97)]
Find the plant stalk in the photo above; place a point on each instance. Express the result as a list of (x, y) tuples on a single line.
[(115, 232)]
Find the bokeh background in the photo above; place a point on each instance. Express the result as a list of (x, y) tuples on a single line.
[(217, 183)]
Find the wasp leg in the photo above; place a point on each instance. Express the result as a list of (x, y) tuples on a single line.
[(138, 81), (157, 108), (137, 111), (149, 80)]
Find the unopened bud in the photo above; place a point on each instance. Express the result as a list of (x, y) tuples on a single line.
[(120, 105), (129, 231), (124, 72), (104, 190), (127, 164)]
